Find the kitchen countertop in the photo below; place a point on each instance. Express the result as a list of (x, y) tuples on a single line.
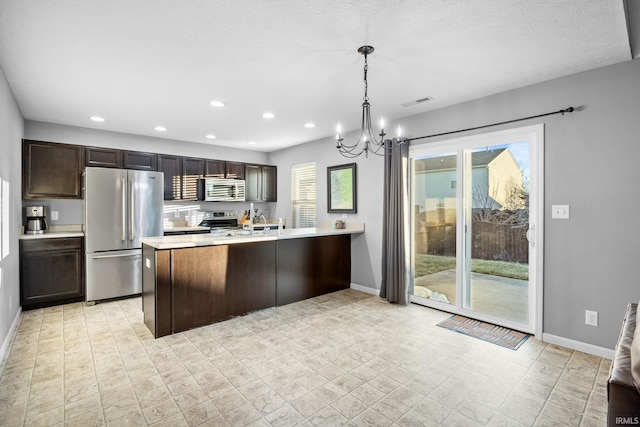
[(187, 228), (212, 239), (55, 232)]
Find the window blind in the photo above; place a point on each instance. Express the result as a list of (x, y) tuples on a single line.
[(303, 195)]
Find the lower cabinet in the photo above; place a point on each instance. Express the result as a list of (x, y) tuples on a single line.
[(51, 271), (185, 288)]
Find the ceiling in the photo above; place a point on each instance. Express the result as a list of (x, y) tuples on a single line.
[(140, 64)]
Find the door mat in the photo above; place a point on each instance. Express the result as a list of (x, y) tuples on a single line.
[(485, 331)]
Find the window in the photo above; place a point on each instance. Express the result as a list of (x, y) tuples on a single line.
[(303, 195)]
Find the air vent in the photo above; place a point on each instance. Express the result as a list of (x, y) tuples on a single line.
[(417, 101)]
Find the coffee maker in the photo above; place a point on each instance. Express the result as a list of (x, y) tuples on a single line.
[(36, 221)]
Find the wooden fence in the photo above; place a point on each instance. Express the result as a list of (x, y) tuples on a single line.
[(490, 241)]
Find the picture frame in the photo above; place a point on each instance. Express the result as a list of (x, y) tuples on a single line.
[(342, 196)]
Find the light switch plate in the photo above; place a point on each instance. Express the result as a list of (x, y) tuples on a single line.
[(560, 211)]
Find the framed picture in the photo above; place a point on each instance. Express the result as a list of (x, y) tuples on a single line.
[(342, 189)]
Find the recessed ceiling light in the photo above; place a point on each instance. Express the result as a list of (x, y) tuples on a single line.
[(251, 143), (160, 128), (215, 103), (97, 118), (268, 115), (309, 125), (210, 136)]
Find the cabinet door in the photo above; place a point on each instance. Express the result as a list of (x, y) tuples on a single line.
[(269, 183), (51, 271), (140, 161), (253, 182), (193, 169), (171, 166), (51, 170), (103, 157), (234, 170), (214, 168)]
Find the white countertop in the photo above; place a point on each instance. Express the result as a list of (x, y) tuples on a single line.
[(52, 235), (193, 240), (55, 232), (187, 228)]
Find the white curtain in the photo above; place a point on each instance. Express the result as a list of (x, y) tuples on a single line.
[(395, 224)]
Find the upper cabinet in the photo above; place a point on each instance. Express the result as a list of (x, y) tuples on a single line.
[(215, 168), (51, 170), (171, 166), (140, 161), (102, 157), (224, 169), (269, 183), (234, 170), (261, 183), (192, 171), (54, 171)]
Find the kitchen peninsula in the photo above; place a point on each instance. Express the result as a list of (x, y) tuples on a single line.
[(194, 280)]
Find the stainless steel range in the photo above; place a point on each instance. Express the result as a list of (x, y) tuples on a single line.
[(220, 221)]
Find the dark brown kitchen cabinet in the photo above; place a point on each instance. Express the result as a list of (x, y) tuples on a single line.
[(260, 183), (102, 157), (51, 272), (269, 183), (171, 166), (51, 170), (234, 170), (224, 169), (253, 182), (140, 161), (192, 170), (215, 168)]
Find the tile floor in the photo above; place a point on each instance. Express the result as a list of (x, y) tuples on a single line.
[(346, 358)]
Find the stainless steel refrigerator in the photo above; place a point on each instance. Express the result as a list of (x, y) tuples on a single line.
[(120, 207)]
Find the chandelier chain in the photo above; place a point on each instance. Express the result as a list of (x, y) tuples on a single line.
[(366, 84)]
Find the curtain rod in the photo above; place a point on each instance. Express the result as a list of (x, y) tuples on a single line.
[(566, 110)]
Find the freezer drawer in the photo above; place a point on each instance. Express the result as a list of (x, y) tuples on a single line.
[(113, 274)]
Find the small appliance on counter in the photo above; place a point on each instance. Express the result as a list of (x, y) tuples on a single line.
[(36, 220)]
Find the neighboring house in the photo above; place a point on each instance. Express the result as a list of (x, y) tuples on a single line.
[(495, 176)]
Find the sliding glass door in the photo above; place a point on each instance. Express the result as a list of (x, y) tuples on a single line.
[(475, 225)]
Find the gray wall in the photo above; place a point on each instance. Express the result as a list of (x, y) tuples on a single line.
[(591, 163), (366, 250), (11, 131)]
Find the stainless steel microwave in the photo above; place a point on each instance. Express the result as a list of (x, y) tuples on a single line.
[(223, 190)]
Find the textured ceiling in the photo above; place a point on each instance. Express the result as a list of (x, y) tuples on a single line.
[(140, 64)]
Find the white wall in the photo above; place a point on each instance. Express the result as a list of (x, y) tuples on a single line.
[(591, 163), (11, 131)]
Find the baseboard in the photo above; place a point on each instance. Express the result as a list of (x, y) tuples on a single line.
[(9, 338), (607, 353), (365, 289)]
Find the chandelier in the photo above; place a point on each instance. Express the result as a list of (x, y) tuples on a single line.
[(366, 142)]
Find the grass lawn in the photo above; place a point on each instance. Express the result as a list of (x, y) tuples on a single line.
[(429, 264)]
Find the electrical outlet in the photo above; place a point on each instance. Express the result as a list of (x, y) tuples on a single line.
[(344, 216), (591, 318), (54, 215), (560, 211)]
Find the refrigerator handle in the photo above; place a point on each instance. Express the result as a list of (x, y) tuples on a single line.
[(124, 209), (132, 209)]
